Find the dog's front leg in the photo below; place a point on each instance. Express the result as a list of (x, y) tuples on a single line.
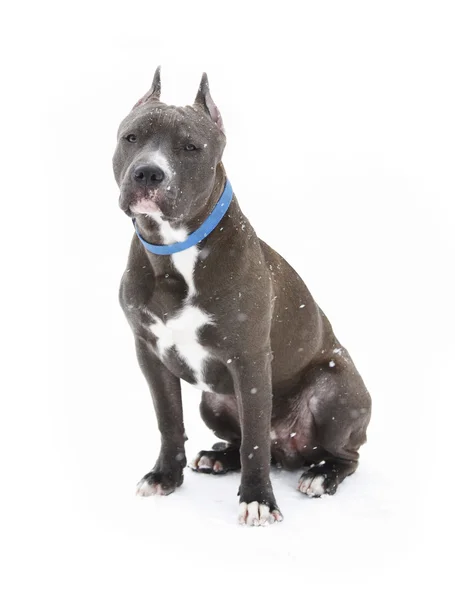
[(167, 474), (253, 389)]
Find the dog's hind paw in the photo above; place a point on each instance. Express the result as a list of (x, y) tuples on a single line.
[(216, 462), (313, 486), (206, 464), (325, 477)]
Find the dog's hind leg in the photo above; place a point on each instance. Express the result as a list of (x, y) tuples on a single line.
[(220, 414), (341, 406), (325, 477)]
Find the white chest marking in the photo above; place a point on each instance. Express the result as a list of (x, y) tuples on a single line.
[(182, 330)]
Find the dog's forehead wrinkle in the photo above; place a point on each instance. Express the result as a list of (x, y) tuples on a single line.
[(169, 122), (154, 116), (165, 116), (169, 126)]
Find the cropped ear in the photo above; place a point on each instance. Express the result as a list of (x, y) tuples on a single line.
[(204, 99), (155, 90)]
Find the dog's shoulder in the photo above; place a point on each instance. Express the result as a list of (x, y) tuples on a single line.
[(138, 280)]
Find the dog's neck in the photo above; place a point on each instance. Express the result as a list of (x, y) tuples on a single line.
[(156, 230)]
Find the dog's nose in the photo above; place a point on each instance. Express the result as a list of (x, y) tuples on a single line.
[(148, 174)]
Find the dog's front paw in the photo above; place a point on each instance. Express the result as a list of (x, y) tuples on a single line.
[(256, 514), (258, 506), (159, 483)]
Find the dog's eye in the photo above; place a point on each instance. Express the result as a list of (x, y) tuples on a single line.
[(190, 147), (131, 138)]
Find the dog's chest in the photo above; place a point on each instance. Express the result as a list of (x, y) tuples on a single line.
[(181, 332)]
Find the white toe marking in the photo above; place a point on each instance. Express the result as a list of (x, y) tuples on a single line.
[(205, 463), (145, 489), (243, 510), (253, 514), (264, 514), (193, 464), (312, 486), (257, 514), (218, 466)]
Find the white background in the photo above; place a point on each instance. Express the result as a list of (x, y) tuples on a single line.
[(341, 150)]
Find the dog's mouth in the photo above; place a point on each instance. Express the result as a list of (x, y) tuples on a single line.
[(142, 203), (144, 206)]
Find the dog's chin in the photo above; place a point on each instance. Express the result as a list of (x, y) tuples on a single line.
[(140, 205), (145, 206), (149, 204)]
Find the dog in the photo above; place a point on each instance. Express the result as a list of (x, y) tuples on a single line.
[(211, 304)]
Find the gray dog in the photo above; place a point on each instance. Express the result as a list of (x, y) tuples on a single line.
[(212, 304)]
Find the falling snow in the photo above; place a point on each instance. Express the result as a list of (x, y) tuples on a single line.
[(353, 529)]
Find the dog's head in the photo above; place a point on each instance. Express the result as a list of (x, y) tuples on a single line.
[(166, 156)]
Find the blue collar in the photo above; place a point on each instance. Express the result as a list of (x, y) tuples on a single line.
[(201, 232)]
